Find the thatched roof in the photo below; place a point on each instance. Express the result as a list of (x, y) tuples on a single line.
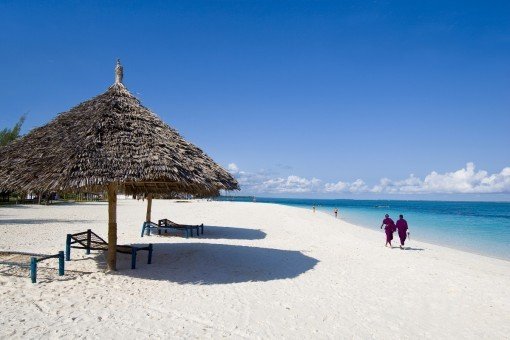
[(111, 138)]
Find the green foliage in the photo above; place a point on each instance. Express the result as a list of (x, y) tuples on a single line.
[(8, 135)]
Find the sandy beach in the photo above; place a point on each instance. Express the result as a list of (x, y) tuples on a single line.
[(259, 271)]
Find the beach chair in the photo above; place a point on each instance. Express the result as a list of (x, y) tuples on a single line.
[(89, 240), (149, 226), (162, 227), (166, 223)]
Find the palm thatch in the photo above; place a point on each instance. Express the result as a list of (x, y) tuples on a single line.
[(111, 138), (110, 143)]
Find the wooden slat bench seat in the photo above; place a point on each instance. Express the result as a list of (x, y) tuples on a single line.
[(89, 240), (165, 225)]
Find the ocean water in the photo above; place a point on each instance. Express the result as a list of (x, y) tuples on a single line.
[(477, 227)]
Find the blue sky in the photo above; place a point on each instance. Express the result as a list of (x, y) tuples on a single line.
[(298, 98)]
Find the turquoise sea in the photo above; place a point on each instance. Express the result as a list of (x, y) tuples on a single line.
[(478, 227)]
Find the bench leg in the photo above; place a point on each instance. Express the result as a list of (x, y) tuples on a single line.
[(133, 258), (149, 260), (89, 239), (60, 263), (68, 247), (202, 228), (143, 229), (33, 269)]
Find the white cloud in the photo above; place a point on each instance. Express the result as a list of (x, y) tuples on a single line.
[(467, 181), (290, 184), (464, 181), (336, 187), (356, 187), (264, 181), (232, 167)]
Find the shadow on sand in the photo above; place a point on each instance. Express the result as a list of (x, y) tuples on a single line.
[(39, 221), (226, 233), (209, 264), (15, 206), (53, 204), (70, 203)]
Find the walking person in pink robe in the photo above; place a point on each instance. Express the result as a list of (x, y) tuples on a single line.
[(402, 230), (389, 229)]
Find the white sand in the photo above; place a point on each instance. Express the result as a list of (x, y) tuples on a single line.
[(263, 271)]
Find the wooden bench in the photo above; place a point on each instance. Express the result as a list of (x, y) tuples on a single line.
[(89, 240), (30, 260)]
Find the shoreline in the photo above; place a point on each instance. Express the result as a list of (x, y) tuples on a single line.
[(464, 243), (367, 199), (435, 244), (381, 235), (419, 240)]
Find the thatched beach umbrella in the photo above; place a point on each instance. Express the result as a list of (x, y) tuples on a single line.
[(110, 143)]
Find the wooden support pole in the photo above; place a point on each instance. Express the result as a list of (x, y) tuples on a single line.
[(133, 258), (61, 263), (149, 260), (149, 207), (112, 227), (89, 240), (33, 269), (68, 247)]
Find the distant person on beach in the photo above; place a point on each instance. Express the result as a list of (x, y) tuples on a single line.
[(336, 212), (402, 230), (389, 229), (313, 208)]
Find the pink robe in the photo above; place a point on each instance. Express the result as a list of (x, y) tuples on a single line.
[(402, 230), (389, 228)]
